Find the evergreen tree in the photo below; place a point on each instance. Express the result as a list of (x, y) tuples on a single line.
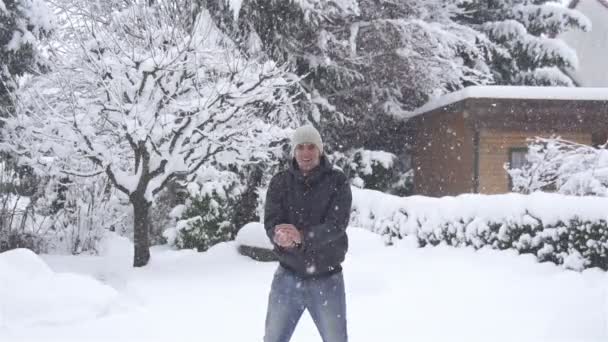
[(364, 64), (408, 52), (523, 49), (21, 22)]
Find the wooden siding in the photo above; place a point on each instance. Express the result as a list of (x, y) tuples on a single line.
[(443, 155)]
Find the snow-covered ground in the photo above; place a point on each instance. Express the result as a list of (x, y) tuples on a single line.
[(397, 293)]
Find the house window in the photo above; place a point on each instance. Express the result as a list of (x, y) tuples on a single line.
[(517, 157), (517, 160)]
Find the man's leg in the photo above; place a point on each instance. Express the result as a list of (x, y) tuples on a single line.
[(285, 306), (327, 306)]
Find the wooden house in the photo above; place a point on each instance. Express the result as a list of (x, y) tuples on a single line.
[(464, 140)]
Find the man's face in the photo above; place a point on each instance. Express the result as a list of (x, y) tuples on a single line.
[(307, 156)]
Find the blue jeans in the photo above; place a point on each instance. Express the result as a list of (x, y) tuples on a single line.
[(290, 295)]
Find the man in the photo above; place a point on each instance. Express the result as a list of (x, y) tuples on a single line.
[(306, 215)]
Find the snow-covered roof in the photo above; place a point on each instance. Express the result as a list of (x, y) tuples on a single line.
[(515, 92)]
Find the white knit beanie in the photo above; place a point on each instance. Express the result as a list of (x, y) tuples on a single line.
[(306, 134)]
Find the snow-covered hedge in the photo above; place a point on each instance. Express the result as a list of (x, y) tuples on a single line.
[(567, 230)]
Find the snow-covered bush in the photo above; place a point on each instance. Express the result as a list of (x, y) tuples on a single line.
[(567, 230), (207, 217), (19, 239), (15, 178), (563, 166), (65, 216), (85, 210), (16, 228), (575, 243), (207, 221), (373, 170)]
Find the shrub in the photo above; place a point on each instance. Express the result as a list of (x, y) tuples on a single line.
[(63, 216), (16, 239), (206, 221), (560, 243), (563, 166)]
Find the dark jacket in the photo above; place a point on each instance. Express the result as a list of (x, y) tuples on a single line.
[(319, 207)]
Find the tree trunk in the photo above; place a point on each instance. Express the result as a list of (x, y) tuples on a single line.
[(141, 229)]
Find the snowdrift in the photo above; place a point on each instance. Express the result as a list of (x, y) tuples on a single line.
[(31, 293)]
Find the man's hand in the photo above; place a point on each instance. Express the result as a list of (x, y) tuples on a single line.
[(281, 238), (287, 235)]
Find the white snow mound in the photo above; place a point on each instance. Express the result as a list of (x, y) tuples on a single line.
[(31, 293)]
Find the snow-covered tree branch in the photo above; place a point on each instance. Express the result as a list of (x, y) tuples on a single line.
[(522, 46), (563, 166)]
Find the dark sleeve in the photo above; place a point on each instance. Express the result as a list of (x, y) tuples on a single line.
[(273, 209), (338, 216)]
